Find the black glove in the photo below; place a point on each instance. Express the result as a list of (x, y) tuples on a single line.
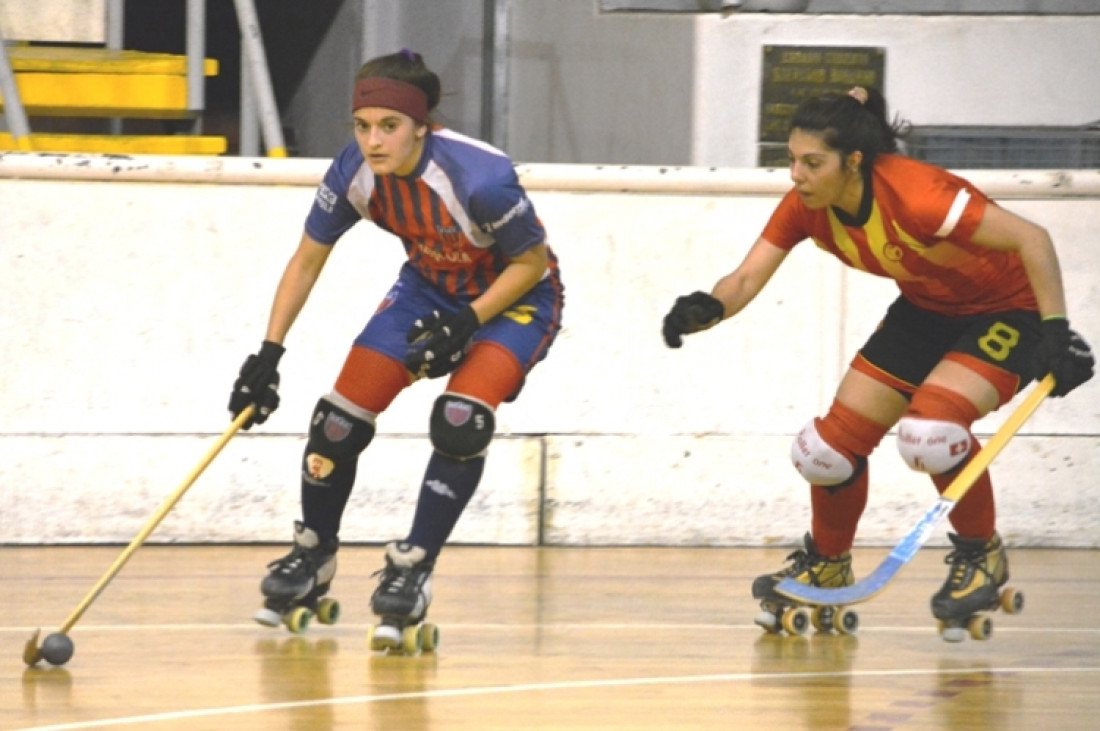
[(697, 311), (258, 383), (1065, 354), (439, 342)]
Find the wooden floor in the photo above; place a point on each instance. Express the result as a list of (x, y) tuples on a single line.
[(559, 638)]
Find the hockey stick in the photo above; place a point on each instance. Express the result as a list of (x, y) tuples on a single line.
[(59, 654), (877, 580)]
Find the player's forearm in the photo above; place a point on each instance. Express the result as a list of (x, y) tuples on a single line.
[(294, 289), (1045, 274), (521, 274), (735, 291), (290, 297)]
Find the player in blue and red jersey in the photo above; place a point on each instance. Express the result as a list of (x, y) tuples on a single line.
[(479, 299), (981, 313)]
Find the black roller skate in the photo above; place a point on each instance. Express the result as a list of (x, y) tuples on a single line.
[(401, 600), (295, 589), (974, 584), (779, 613)]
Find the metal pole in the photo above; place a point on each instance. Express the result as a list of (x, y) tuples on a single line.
[(249, 143), (499, 96), (488, 36), (115, 15), (14, 113), (196, 61), (253, 46), (115, 20)]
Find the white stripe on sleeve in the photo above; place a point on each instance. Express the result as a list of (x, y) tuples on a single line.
[(953, 215)]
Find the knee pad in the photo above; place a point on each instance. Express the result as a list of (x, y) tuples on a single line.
[(460, 426), (336, 436), (817, 460), (934, 446)]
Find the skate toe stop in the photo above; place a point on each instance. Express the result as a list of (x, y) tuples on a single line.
[(267, 617)]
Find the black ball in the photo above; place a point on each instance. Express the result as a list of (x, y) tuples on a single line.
[(57, 649)]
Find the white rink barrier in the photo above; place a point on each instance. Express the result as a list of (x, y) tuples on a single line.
[(135, 286), (1002, 184)]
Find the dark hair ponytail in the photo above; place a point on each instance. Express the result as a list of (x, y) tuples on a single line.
[(853, 121), (407, 66)]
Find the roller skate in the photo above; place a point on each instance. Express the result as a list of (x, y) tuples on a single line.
[(974, 585), (401, 601), (294, 590), (781, 614)]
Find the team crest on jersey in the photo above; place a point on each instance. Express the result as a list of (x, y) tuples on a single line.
[(337, 428), (457, 413), (389, 299), (892, 251)]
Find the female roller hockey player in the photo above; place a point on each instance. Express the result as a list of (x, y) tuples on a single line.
[(479, 299), (981, 313)]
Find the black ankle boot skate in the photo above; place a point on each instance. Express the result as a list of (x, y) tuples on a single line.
[(401, 601), (296, 586)]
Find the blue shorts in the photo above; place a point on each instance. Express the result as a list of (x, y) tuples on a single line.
[(526, 329)]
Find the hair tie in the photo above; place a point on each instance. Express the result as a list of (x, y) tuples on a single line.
[(858, 93), (409, 55)]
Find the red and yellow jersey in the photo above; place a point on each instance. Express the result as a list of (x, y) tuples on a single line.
[(918, 233)]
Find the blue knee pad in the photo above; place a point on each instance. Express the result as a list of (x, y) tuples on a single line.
[(336, 437), (461, 427)]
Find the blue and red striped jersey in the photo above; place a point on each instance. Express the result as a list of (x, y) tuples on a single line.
[(462, 215)]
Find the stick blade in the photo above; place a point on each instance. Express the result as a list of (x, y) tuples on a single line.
[(31, 653), (856, 593)]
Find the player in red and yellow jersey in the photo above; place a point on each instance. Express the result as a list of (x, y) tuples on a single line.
[(981, 313)]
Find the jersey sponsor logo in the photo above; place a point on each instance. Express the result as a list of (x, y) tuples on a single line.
[(326, 198), (517, 210), (437, 254)]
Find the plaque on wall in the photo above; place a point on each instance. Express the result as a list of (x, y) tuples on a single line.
[(793, 73)]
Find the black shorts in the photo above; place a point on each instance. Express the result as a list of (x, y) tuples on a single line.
[(911, 341)]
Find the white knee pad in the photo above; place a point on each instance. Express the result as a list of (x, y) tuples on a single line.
[(817, 461), (931, 445)]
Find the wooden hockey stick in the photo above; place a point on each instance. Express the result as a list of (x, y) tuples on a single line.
[(877, 580), (32, 653)]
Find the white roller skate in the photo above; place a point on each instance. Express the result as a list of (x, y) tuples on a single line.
[(401, 601), (294, 590), (779, 613), (979, 571)]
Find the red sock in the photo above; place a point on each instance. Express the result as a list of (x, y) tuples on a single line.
[(975, 516), (836, 509)]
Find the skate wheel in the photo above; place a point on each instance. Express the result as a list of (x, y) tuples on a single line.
[(822, 618), (382, 637), (846, 621), (411, 639), (297, 620), (267, 617), (328, 611), (796, 621), (767, 621), (1012, 601), (429, 637), (980, 628)]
